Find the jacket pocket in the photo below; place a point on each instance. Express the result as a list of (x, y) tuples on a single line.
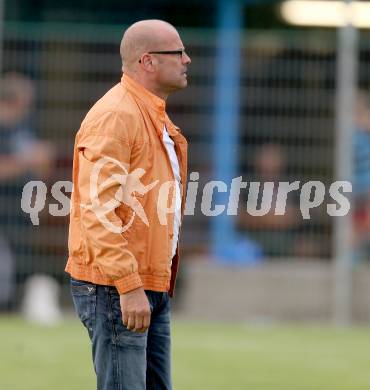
[(136, 231)]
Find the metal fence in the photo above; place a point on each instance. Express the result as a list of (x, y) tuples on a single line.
[(287, 129)]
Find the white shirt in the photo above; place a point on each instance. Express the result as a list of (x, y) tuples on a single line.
[(170, 146)]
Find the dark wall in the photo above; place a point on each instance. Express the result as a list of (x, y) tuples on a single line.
[(189, 13)]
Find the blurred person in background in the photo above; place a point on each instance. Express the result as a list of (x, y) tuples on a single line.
[(122, 279), (361, 176), (275, 233), (22, 157)]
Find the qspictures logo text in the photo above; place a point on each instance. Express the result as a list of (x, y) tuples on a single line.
[(258, 198)]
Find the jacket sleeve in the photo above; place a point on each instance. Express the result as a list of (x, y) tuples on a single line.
[(104, 151)]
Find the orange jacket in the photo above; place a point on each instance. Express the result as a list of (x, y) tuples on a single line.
[(125, 243)]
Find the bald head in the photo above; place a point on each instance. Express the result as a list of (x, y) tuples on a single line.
[(144, 36)]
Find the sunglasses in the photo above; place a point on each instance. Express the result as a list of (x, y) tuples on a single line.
[(179, 52)]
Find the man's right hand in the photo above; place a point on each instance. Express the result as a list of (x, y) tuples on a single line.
[(135, 310)]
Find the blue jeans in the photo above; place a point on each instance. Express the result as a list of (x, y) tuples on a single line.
[(125, 360)]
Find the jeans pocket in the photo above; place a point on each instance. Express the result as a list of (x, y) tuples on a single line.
[(123, 336), (84, 299)]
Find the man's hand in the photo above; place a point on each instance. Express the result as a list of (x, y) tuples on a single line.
[(135, 310)]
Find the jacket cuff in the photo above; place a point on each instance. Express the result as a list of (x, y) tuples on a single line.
[(128, 283)]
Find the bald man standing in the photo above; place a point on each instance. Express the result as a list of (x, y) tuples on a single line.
[(129, 175)]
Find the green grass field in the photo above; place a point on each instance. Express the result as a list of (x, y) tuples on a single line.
[(206, 356)]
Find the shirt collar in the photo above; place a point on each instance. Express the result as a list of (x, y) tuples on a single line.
[(143, 94)]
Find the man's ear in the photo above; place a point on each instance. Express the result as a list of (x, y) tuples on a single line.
[(147, 61)]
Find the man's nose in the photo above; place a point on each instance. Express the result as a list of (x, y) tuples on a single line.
[(186, 59)]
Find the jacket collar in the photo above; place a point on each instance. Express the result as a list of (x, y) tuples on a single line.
[(143, 94), (152, 101), (172, 129)]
